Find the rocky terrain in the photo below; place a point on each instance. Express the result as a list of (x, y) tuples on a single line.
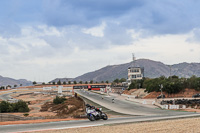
[(152, 69)]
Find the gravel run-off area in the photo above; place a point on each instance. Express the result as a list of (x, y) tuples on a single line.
[(187, 125)]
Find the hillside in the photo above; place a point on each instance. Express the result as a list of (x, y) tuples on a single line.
[(4, 81), (61, 79), (152, 69)]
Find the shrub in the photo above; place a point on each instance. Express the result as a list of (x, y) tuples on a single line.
[(59, 100), (4, 107), (26, 114), (19, 106)]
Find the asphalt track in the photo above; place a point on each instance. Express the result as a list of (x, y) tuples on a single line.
[(127, 107), (122, 106), (83, 123)]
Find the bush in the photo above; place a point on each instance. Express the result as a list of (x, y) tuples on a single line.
[(19, 106), (26, 114), (59, 100), (136, 84), (4, 107)]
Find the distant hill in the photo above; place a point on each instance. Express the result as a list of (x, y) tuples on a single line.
[(152, 69), (4, 81), (61, 79)]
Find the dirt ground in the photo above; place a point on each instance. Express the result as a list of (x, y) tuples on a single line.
[(128, 92), (36, 101), (186, 93), (42, 106), (189, 125)]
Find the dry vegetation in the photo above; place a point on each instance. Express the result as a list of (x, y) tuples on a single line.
[(42, 106), (72, 107)]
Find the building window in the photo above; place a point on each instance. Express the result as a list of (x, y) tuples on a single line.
[(135, 70), (133, 76)]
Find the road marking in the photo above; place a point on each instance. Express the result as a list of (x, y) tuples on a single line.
[(59, 128)]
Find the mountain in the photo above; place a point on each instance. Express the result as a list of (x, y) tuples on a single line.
[(61, 79), (4, 81), (152, 69)]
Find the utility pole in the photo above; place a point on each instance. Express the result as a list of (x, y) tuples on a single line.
[(161, 87), (170, 71), (133, 57)]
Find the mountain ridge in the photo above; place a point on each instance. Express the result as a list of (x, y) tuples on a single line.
[(4, 81), (152, 69)]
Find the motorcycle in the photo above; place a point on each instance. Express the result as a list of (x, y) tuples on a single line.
[(95, 113)]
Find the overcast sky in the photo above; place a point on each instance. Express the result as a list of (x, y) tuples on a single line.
[(44, 39)]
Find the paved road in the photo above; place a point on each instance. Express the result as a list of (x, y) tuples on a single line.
[(5, 96), (127, 107), (83, 123)]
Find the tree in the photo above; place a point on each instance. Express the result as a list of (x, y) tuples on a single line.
[(34, 82), (19, 106), (107, 81), (59, 82), (102, 81), (69, 82), (122, 80), (54, 82), (64, 83), (43, 83), (80, 82), (9, 86), (15, 86), (116, 81), (86, 82), (75, 82), (59, 100), (133, 85), (91, 81), (4, 107)]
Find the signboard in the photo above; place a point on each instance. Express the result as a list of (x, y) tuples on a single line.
[(98, 86), (80, 87), (60, 89), (47, 88), (173, 106), (164, 106)]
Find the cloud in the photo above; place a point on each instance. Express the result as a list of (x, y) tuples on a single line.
[(86, 13), (158, 17), (194, 36), (59, 36)]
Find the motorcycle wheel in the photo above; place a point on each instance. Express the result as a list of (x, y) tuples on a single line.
[(104, 116), (91, 117)]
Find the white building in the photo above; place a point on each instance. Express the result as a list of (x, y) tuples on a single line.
[(135, 73)]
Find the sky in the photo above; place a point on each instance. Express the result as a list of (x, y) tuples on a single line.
[(44, 39)]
